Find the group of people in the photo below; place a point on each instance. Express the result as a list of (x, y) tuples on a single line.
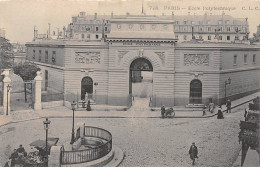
[(17, 155)]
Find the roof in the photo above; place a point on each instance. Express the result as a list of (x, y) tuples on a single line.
[(203, 44)]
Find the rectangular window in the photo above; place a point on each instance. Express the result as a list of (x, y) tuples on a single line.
[(209, 28), (33, 54), (176, 36), (40, 55), (105, 36), (228, 37), (96, 36), (220, 37), (200, 37), (46, 56), (53, 58), (254, 61), (185, 37), (235, 60), (96, 28), (82, 36), (105, 28), (236, 37), (185, 22), (228, 28), (245, 59), (88, 36), (209, 37)]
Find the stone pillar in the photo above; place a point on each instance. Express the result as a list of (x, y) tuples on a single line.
[(55, 156), (81, 125), (38, 92), (6, 91)]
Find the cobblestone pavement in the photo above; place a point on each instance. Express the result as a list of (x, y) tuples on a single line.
[(145, 141)]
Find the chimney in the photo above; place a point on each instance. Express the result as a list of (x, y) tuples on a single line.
[(172, 15), (95, 17), (205, 17), (223, 13), (112, 14)]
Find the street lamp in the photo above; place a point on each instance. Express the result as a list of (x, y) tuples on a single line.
[(8, 90), (46, 124), (73, 107), (228, 81)]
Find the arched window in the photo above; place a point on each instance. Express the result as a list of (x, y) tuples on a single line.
[(195, 92)]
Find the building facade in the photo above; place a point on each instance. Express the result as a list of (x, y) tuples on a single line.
[(184, 73)]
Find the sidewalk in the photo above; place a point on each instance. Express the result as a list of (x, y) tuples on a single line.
[(252, 159), (64, 112)]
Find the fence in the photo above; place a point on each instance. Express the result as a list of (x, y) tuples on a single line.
[(80, 156)]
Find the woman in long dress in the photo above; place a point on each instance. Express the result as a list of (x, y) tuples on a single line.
[(220, 114)]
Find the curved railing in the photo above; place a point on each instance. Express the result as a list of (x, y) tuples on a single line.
[(87, 155)]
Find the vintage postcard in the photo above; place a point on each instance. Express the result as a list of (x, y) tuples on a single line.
[(129, 83)]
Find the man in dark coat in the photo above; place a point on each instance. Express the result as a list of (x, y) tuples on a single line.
[(228, 106), (13, 158), (193, 152), (163, 111)]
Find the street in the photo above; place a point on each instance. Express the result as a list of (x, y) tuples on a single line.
[(145, 141)]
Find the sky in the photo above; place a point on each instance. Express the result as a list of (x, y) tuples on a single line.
[(18, 17)]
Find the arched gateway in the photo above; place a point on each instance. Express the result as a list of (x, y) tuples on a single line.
[(138, 65)]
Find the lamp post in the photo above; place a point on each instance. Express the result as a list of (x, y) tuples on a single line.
[(228, 81), (8, 90), (46, 124), (73, 107)]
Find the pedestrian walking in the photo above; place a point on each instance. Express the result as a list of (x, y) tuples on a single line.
[(245, 115), (220, 113), (88, 106), (193, 152), (211, 107), (228, 104), (204, 110), (163, 111)]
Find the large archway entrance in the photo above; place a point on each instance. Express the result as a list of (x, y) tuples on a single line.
[(86, 87), (195, 92), (141, 80)]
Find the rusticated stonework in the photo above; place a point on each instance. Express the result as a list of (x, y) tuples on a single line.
[(87, 57), (196, 59)]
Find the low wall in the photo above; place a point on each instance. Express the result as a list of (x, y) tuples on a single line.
[(46, 105)]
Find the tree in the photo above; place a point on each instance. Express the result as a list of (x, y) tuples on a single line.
[(6, 54), (27, 71)]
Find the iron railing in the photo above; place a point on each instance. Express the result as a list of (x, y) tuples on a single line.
[(81, 156)]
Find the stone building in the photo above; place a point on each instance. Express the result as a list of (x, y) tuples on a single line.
[(184, 73), (206, 27)]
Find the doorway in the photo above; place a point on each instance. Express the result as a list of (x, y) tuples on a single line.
[(86, 88), (195, 92)]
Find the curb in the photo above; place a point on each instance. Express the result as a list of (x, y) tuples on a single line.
[(123, 117)]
